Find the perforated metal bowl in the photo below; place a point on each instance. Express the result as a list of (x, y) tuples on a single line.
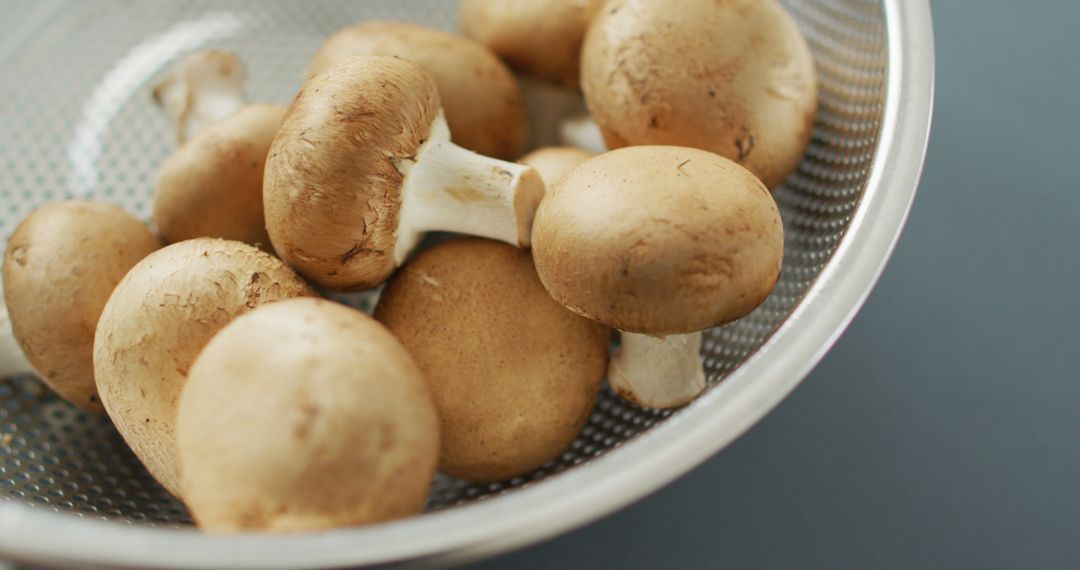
[(76, 120)]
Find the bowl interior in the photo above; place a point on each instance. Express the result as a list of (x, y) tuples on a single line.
[(77, 120)]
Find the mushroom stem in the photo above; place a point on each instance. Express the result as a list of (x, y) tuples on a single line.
[(559, 117), (581, 131), (548, 106), (12, 360), (658, 372), (451, 189), (202, 88)]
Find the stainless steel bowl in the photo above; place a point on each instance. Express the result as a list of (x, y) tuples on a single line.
[(76, 120)]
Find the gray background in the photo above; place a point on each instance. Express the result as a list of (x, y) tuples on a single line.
[(943, 430)]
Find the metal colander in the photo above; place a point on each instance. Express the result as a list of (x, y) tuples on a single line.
[(76, 120)]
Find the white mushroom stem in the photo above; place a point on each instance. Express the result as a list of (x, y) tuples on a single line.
[(658, 372), (559, 117), (548, 105), (12, 360), (204, 87), (448, 188), (581, 131)]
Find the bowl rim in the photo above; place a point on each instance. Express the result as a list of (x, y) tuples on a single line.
[(590, 491)]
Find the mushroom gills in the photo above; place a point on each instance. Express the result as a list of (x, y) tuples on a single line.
[(658, 371), (451, 189), (202, 88), (13, 361)]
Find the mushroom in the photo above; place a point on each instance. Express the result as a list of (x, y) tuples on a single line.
[(158, 319), (554, 162), (735, 78), (200, 89), (13, 361), (305, 415), (482, 101), (514, 374), (659, 243), (363, 166), (60, 266), (212, 185), (541, 38), (581, 131), (558, 116)]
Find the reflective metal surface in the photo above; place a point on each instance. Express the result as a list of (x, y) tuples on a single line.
[(76, 120)]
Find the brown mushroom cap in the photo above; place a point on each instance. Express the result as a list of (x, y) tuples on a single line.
[(735, 78), (60, 266), (553, 162), (332, 190), (541, 38), (513, 373), (659, 240), (212, 185), (305, 415), (483, 103), (158, 319)]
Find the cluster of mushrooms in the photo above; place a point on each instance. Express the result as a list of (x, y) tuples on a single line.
[(267, 407)]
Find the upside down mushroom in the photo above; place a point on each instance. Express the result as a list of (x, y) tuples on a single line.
[(363, 166), (60, 266), (212, 185), (158, 319), (483, 103), (733, 77), (305, 415), (659, 243)]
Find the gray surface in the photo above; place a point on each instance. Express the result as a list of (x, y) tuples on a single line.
[(943, 430)]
